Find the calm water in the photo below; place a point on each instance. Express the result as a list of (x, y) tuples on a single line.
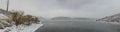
[(77, 26)]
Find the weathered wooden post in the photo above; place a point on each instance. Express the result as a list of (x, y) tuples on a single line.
[(7, 5)]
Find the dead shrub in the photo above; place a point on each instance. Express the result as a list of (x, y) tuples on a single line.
[(19, 18)]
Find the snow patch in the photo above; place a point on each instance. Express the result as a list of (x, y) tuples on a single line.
[(22, 28)]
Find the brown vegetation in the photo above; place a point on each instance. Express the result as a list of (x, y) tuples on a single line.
[(19, 18)]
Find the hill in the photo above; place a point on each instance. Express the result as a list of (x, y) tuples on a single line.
[(113, 18)]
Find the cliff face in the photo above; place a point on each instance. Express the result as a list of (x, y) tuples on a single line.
[(113, 18)]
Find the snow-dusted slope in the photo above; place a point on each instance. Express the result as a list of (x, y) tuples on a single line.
[(8, 25), (111, 19), (22, 28)]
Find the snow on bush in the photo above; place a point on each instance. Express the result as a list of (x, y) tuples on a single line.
[(17, 19)]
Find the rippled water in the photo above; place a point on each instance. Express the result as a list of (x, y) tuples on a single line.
[(78, 26)]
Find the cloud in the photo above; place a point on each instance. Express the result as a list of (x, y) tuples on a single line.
[(70, 8)]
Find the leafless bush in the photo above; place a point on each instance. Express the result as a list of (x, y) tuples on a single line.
[(19, 18)]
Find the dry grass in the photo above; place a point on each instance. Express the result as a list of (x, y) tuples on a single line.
[(19, 18)]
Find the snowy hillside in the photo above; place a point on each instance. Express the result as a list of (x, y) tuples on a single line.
[(111, 19), (17, 21)]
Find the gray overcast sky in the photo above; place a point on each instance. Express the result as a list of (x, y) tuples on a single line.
[(71, 8)]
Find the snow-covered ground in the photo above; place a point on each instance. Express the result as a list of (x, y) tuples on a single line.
[(7, 24), (22, 28)]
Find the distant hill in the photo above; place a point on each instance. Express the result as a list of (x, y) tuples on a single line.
[(82, 18), (61, 18), (113, 18), (70, 18)]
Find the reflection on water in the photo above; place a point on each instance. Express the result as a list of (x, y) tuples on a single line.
[(78, 26)]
